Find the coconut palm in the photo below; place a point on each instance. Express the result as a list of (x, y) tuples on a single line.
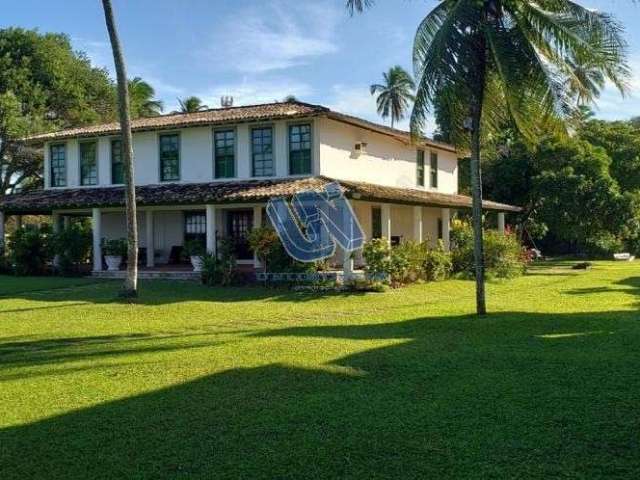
[(131, 279), (493, 58), (395, 94), (143, 103), (191, 105)]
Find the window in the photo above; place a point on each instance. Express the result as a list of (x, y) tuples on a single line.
[(376, 222), (434, 169), (58, 160), (420, 166), (299, 149), (262, 151), (195, 226), (117, 167), (169, 157), (224, 153)]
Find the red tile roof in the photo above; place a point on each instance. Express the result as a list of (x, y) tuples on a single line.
[(44, 201)]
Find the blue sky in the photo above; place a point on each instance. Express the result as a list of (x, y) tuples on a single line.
[(263, 50)]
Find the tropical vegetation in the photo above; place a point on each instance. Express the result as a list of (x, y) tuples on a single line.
[(191, 105), (395, 94)]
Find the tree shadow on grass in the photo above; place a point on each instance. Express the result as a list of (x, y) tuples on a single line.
[(511, 395)]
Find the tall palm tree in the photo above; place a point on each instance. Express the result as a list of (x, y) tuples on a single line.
[(507, 57), (131, 279), (191, 105), (395, 94), (143, 103)]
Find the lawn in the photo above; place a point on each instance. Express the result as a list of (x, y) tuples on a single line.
[(192, 382)]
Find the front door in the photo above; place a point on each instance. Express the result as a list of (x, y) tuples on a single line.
[(239, 223)]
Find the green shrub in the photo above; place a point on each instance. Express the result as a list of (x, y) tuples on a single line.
[(264, 241), (603, 245), (503, 253), (437, 264), (117, 247), (220, 269), (194, 248), (30, 250), (72, 245), (376, 256)]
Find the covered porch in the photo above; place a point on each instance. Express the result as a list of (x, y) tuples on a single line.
[(169, 215)]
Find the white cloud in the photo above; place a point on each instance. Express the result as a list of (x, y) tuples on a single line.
[(274, 36), (249, 92)]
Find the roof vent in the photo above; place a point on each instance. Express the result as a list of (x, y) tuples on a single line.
[(226, 101)]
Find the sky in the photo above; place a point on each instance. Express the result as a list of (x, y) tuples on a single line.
[(263, 50)]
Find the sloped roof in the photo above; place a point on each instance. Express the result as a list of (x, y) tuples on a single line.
[(44, 201), (217, 116)]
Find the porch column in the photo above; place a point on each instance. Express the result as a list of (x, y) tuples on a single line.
[(417, 224), (257, 223), (1, 229), (446, 228), (96, 224), (501, 222), (18, 221), (55, 224), (148, 217), (347, 266), (211, 229), (385, 212)]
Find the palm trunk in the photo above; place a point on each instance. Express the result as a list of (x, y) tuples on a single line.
[(131, 280), (476, 201)]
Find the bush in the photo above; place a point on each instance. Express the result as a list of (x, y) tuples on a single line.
[(72, 245), (30, 249), (115, 248), (376, 256), (264, 241), (438, 264), (503, 254), (603, 245), (220, 269), (194, 248)]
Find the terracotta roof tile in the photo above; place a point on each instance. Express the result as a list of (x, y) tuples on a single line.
[(44, 201)]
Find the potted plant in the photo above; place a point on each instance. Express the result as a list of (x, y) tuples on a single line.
[(114, 251), (195, 250)]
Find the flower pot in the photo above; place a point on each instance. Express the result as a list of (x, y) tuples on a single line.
[(113, 262), (197, 262)]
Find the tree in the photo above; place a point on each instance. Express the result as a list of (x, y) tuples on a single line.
[(45, 85), (131, 280), (395, 94), (191, 105), (142, 101), (497, 58)]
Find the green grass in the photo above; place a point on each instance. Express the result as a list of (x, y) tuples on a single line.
[(192, 382)]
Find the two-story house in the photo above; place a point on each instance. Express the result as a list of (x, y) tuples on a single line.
[(209, 175)]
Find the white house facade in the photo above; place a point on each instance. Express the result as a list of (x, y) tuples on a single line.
[(208, 175)]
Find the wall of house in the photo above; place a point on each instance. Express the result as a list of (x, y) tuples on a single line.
[(196, 155), (386, 162)]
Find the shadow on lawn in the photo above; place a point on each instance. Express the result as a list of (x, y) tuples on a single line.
[(511, 395)]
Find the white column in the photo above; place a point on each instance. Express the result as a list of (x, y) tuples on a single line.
[(55, 224), (96, 221), (1, 228), (417, 224), (257, 223), (446, 228), (385, 211), (211, 229), (148, 217), (501, 222)]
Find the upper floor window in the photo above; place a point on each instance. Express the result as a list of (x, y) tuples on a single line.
[(420, 168), (58, 161), (262, 151), (224, 153), (299, 149), (169, 157), (117, 167), (88, 163), (434, 169)]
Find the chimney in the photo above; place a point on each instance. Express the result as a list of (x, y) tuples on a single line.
[(226, 101)]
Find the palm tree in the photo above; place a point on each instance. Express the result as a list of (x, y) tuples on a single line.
[(143, 103), (131, 279), (395, 94), (191, 105), (507, 57)]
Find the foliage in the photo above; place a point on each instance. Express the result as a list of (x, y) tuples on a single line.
[(438, 264), (30, 249), (270, 251), (143, 103), (116, 247), (504, 256), (220, 269), (194, 248), (376, 256), (72, 245), (191, 105), (395, 94)]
